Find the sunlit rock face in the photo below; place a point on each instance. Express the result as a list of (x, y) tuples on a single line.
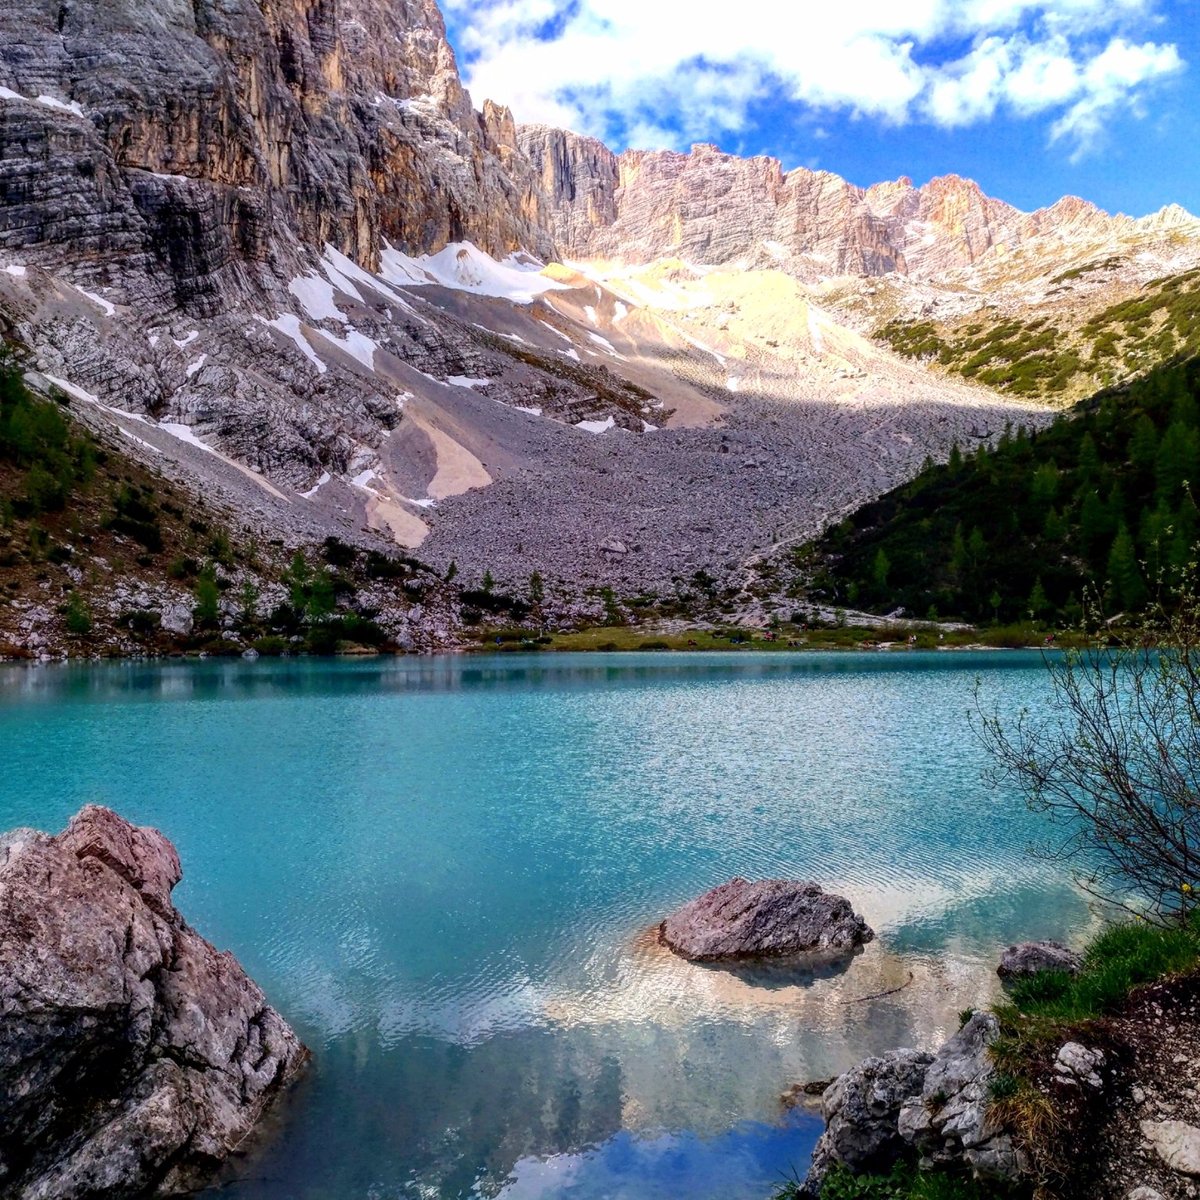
[(343, 122), (709, 207)]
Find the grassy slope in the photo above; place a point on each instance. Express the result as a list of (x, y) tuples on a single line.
[(1042, 357), (1102, 497)]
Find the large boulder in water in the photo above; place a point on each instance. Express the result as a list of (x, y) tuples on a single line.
[(741, 920), (134, 1057), (1031, 958)]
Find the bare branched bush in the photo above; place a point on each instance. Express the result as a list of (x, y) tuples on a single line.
[(1114, 761)]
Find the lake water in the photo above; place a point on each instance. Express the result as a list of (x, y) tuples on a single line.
[(443, 872)]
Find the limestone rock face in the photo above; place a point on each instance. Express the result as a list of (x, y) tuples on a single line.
[(715, 208), (134, 1058), (1176, 1143), (196, 131), (861, 1110), (948, 1121), (775, 917)]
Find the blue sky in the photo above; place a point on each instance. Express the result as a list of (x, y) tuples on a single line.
[(1035, 99)]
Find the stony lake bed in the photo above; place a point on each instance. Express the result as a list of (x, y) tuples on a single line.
[(446, 873)]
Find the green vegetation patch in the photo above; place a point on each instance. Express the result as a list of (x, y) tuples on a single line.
[(1040, 359), (1104, 497)]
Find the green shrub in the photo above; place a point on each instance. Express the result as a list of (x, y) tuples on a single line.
[(1118, 960), (79, 616)]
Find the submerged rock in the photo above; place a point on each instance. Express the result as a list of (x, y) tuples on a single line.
[(774, 917), (134, 1057), (862, 1110), (1030, 958)]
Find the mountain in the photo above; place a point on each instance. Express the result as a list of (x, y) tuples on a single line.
[(718, 209), (271, 247)]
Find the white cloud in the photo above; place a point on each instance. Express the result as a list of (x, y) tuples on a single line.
[(666, 72)]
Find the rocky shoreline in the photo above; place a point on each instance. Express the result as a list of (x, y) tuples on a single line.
[(135, 1058)]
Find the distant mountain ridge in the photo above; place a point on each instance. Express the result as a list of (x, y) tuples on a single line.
[(715, 208)]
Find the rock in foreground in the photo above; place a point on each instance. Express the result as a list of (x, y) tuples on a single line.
[(1030, 958), (775, 917), (134, 1058)]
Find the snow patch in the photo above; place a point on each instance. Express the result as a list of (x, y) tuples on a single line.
[(620, 311), (108, 307), (194, 367), (140, 441), (596, 426), (16, 271), (814, 332), (424, 502), (9, 94), (590, 313), (54, 102), (72, 390), (316, 297), (571, 354), (289, 326), (357, 345), (364, 479), (558, 333), (463, 267), (153, 340), (348, 270), (184, 343), (312, 491), (607, 345), (733, 384), (467, 381), (532, 411), (185, 433), (647, 427)]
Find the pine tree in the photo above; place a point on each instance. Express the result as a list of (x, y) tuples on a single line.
[(1095, 528), (1039, 603), (537, 589), (1044, 486), (1124, 574), (1143, 447), (322, 599), (1089, 458), (79, 616), (1054, 528), (880, 570), (1176, 463), (207, 595)]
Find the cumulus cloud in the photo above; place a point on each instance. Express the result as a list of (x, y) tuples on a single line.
[(666, 72)]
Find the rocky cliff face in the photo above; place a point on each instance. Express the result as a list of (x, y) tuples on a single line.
[(714, 208), (134, 1058), (196, 133)]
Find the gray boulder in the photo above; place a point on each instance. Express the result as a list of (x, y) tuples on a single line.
[(948, 1122), (861, 1110), (1030, 958), (740, 920), (134, 1057)]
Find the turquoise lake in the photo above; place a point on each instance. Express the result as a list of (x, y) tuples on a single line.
[(444, 872)]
